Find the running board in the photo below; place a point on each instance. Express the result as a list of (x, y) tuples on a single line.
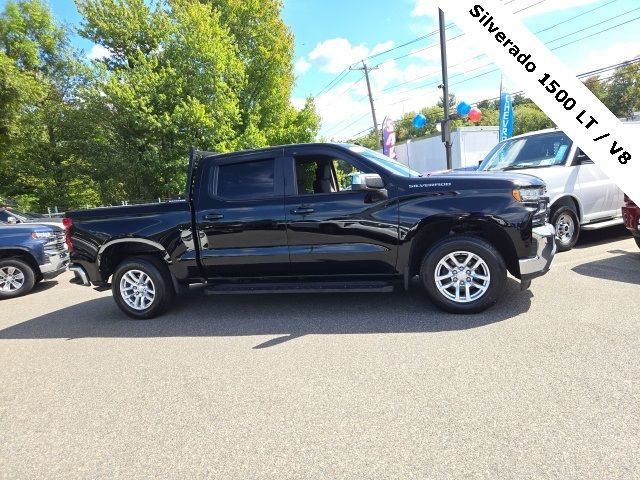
[(300, 287), (599, 225)]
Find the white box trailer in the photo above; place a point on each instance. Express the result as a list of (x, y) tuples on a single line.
[(470, 146)]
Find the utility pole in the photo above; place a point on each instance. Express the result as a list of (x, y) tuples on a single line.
[(366, 71), (446, 123)]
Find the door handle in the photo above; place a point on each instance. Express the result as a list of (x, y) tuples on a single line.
[(302, 210), (213, 216)]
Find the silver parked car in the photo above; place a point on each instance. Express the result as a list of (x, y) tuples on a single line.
[(581, 195)]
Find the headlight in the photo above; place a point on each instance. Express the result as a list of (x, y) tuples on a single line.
[(528, 194), (42, 235)]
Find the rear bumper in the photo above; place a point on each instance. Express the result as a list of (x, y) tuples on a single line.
[(631, 217), (57, 263), (544, 239), (80, 273)]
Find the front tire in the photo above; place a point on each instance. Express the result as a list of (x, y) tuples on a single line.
[(17, 278), (565, 220), (142, 287), (463, 274)]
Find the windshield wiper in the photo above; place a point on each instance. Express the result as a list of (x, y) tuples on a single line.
[(518, 167)]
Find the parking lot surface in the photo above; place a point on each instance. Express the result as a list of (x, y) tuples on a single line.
[(544, 385)]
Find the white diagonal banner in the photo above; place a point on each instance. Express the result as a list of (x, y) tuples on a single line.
[(543, 77)]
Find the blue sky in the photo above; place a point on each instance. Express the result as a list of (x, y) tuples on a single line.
[(330, 35)]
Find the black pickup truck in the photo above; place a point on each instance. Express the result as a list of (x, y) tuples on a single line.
[(317, 218)]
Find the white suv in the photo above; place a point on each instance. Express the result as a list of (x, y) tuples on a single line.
[(581, 196)]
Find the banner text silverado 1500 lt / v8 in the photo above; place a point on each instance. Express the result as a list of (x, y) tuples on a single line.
[(317, 218)]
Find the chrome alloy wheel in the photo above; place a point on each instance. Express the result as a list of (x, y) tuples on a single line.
[(11, 279), (462, 277), (565, 229), (137, 289)]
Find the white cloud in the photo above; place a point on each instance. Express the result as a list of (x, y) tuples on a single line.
[(302, 66), (336, 54), (298, 103), (345, 110), (98, 52), (611, 54), (424, 8), (340, 113), (552, 6), (381, 47)]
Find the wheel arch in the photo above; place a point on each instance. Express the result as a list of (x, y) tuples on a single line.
[(428, 233), (567, 200), (22, 254), (112, 253)]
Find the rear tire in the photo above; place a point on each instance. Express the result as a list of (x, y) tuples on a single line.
[(142, 287), (17, 278), (565, 220), (463, 274)]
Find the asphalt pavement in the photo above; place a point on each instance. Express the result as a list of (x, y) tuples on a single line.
[(544, 385)]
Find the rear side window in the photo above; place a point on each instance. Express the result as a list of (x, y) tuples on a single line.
[(241, 181)]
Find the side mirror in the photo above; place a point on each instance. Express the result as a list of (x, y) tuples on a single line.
[(374, 181), (366, 181)]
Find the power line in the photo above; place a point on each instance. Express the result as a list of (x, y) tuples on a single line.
[(479, 56), (335, 130), (437, 72), (436, 32), (435, 44), (333, 82), (342, 74), (581, 75), (344, 91), (550, 41)]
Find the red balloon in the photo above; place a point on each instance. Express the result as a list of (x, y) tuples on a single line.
[(475, 115)]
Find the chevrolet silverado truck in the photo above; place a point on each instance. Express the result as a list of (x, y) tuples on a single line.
[(317, 218), (30, 253)]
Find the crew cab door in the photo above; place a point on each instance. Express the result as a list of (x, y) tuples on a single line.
[(240, 216), (333, 228), (600, 197)]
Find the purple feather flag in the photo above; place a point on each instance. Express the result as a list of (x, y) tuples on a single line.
[(388, 137)]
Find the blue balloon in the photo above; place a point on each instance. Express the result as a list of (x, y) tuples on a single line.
[(419, 121), (463, 109)]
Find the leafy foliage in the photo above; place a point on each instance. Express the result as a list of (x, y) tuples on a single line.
[(216, 74)]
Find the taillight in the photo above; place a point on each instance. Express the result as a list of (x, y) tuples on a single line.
[(67, 222)]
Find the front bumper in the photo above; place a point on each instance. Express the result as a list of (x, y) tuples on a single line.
[(57, 263), (544, 239)]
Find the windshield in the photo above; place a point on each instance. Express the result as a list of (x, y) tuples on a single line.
[(390, 165), (20, 216), (535, 151)]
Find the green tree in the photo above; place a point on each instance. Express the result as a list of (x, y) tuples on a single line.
[(370, 140), (528, 118), (216, 74), (597, 87), (264, 43), (622, 94), (38, 77)]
